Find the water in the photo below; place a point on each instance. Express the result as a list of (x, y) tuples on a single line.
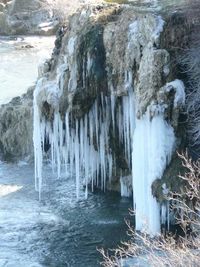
[(19, 59), (58, 231)]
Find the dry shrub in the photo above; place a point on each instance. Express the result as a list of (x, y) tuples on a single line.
[(167, 250), (190, 63)]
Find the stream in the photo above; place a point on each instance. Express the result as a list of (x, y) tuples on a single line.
[(58, 231)]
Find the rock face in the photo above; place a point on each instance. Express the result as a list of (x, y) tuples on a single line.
[(40, 17), (108, 103), (22, 17), (16, 128)]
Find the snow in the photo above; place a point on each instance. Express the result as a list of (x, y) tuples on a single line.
[(159, 28), (8, 189), (179, 88), (133, 28)]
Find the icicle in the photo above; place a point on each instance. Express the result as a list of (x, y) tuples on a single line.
[(126, 118), (72, 85), (168, 215), (110, 167), (86, 153), (84, 74), (96, 122), (120, 128), (163, 213), (60, 75), (73, 68), (37, 140), (77, 161), (125, 186), (89, 63), (113, 104), (57, 141)]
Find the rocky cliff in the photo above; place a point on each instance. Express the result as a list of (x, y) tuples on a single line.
[(109, 103), (16, 128), (38, 17), (26, 17)]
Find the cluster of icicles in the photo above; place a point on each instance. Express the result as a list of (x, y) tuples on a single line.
[(84, 149)]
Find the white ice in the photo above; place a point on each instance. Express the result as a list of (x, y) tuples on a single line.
[(179, 88), (153, 144)]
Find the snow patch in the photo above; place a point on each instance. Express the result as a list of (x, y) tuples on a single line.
[(179, 88), (159, 28)]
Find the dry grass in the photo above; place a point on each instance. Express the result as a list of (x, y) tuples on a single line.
[(167, 250)]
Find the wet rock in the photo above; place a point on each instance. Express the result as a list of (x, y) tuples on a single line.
[(16, 127), (22, 17)]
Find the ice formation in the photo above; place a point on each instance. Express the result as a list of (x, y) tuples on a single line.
[(153, 144), (126, 186), (82, 144), (85, 147)]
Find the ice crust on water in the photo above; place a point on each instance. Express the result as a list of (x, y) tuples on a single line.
[(81, 146)]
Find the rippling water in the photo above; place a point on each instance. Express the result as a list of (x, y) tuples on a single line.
[(58, 231), (19, 59)]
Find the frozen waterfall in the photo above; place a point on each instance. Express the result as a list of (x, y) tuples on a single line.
[(153, 144), (83, 145), (148, 145)]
